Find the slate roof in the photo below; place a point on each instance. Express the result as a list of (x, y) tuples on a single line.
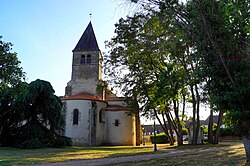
[(88, 40), (203, 122)]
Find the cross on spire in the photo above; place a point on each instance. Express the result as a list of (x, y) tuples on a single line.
[(90, 16)]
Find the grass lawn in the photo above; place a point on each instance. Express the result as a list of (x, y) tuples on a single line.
[(234, 156), (13, 156)]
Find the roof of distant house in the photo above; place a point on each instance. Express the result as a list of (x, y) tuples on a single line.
[(150, 128), (202, 122)]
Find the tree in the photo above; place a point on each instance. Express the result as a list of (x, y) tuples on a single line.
[(128, 52), (34, 118), (144, 47), (218, 33), (11, 72), (221, 29)]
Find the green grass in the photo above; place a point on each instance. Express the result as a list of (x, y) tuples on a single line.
[(13, 156), (234, 155)]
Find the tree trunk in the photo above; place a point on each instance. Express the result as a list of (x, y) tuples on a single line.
[(246, 142), (179, 127), (194, 139), (198, 114), (180, 137), (217, 132), (138, 129), (170, 134), (165, 130), (210, 126), (183, 104)]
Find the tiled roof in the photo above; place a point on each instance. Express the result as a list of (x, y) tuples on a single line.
[(117, 108), (118, 98), (88, 40), (83, 96)]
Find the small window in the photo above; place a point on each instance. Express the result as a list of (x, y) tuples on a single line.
[(82, 60), (75, 116), (117, 122), (88, 58), (101, 116)]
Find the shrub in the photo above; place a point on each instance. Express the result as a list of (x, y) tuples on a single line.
[(31, 144), (62, 141), (228, 132), (184, 131), (160, 139)]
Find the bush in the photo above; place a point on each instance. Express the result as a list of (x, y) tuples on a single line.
[(228, 132), (62, 141), (184, 131), (160, 139)]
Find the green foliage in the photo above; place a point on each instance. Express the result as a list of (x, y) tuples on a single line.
[(31, 144), (228, 132), (172, 47), (160, 139), (11, 72), (62, 141), (184, 131), (101, 86), (205, 129), (33, 118), (221, 31), (145, 61)]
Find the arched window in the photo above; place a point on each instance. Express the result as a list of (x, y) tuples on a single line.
[(75, 116), (82, 60), (117, 122), (88, 58)]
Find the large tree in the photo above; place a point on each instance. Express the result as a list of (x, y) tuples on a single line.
[(33, 118), (221, 29), (144, 60)]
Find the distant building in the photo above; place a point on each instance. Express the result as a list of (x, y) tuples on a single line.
[(189, 126), (92, 116), (203, 122), (149, 129)]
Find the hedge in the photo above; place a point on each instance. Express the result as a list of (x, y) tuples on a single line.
[(160, 139)]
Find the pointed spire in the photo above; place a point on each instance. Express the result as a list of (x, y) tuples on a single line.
[(88, 40)]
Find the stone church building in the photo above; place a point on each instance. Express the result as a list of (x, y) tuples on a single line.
[(93, 116)]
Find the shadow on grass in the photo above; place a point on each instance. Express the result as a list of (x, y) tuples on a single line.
[(13, 156), (233, 155)]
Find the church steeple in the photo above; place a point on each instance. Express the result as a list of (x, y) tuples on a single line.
[(88, 40), (86, 65)]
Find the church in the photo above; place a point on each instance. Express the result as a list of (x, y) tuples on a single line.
[(93, 114)]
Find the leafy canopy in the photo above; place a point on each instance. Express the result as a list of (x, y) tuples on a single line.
[(32, 119), (10, 71)]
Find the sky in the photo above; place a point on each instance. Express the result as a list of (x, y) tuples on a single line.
[(44, 33)]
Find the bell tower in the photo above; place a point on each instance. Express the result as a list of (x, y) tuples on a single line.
[(86, 65)]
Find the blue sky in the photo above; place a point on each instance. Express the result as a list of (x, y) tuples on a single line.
[(44, 33)]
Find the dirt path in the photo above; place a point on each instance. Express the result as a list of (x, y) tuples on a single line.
[(116, 160)]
